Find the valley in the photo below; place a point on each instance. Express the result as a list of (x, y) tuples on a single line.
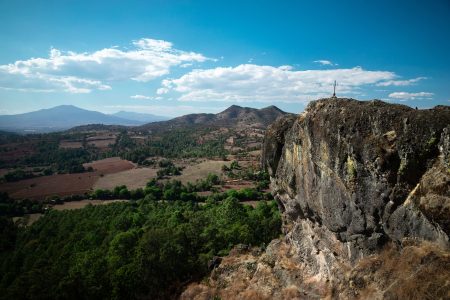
[(68, 166), (204, 190)]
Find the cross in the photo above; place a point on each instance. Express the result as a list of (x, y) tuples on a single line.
[(334, 89)]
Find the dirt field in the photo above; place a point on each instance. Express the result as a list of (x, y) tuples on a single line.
[(64, 184), (102, 143), (110, 165), (70, 145), (83, 203), (237, 185), (201, 170), (133, 179)]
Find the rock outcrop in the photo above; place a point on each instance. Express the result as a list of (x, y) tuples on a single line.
[(366, 172), (353, 178)]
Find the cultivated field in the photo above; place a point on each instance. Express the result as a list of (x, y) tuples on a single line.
[(133, 179), (70, 144), (82, 203), (104, 143), (65, 184), (110, 165), (201, 170)]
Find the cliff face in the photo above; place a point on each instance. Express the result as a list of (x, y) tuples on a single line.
[(356, 174), (353, 179)]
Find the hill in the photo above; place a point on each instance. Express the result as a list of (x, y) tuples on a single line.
[(234, 116), (140, 117), (58, 118)]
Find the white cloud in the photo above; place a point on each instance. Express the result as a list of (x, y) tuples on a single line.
[(140, 97), (249, 82), (143, 97), (400, 82), (411, 96), (162, 91), (165, 110), (186, 65), (83, 72), (325, 62), (150, 44)]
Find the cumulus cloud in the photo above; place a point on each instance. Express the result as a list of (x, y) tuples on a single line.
[(83, 72), (249, 82), (325, 62), (140, 97), (166, 110), (400, 82), (162, 91), (411, 96), (143, 97)]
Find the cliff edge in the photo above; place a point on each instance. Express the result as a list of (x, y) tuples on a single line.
[(364, 190)]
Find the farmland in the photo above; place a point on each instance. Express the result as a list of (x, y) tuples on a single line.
[(133, 179), (39, 188), (199, 171)]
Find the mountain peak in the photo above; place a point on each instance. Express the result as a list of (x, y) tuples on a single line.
[(233, 108), (59, 118), (271, 108), (234, 115), (70, 106)]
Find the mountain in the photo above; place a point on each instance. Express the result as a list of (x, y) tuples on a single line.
[(233, 116), (58, 118), (68, 116), (140, 117)]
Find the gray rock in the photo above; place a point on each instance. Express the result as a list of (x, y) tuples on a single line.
[(353, 172)]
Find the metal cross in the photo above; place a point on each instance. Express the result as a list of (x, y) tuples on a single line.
[(334, 89)]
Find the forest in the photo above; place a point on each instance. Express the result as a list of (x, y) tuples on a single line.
[(174, 143), (129, 250)]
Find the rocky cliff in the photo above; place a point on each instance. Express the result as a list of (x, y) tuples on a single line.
[(364, 188)]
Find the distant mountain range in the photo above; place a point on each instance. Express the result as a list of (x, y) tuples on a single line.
[(64, 117), (67, 116)]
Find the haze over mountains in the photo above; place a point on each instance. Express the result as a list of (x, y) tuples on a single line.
[(68, 116), (141, 117)]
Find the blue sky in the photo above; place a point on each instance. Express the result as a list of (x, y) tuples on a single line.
[(176, 57)]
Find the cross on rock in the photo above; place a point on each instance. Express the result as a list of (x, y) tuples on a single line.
[(334, 90)]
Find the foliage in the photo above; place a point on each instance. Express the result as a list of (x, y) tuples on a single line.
[(10, 207), (168, 169), (174, 143), (17, 175), (140, 249)]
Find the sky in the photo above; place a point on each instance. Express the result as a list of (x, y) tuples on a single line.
[(172, 58)]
